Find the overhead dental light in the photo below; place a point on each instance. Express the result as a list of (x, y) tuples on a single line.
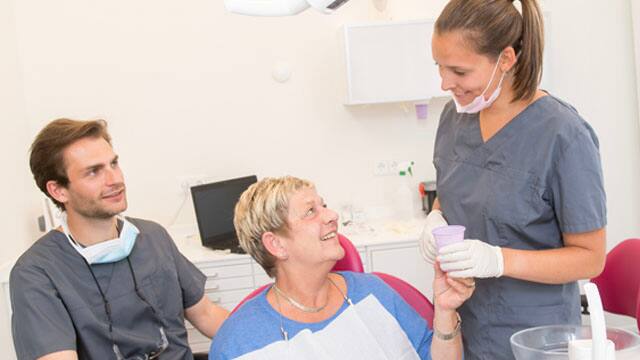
[(280, 7)]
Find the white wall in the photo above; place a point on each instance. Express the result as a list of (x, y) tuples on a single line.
[(187, 90), (593, 61), (635, 17), (16, 219)]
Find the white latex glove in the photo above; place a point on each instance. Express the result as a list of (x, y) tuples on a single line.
[(427, 244), (472, 258)]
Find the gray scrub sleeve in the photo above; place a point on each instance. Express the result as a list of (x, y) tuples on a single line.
[(577, 186), (191, 279), (41, 324)]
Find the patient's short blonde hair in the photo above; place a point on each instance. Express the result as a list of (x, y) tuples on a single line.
[(262, 208)]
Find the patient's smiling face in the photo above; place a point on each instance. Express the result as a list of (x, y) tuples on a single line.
[(311, 236)]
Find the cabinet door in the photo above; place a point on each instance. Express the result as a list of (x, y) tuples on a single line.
[(406, 263), (390, 62)]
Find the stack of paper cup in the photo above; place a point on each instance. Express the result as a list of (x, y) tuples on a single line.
[(447, 235)]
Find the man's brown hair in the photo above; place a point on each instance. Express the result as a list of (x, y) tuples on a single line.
[(46, 159)]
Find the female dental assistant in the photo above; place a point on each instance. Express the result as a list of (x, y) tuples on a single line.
[(520, 169)]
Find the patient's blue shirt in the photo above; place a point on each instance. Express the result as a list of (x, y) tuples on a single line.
[(256, 324)]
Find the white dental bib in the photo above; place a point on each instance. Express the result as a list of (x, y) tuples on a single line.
[(365, 330)]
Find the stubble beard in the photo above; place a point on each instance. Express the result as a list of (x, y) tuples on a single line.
[(95, 211)]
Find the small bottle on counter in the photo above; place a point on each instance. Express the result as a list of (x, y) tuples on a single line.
[(407, 199)]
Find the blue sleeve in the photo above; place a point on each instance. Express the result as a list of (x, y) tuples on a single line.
[(216, 352), (224, 343), (414, 326), (248, 329), (224, 339), (577, 185)]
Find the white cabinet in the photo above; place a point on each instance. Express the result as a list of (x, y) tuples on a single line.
[(390, 62), (403, 261), (228, 282)]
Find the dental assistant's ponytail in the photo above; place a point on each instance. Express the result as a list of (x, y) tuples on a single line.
[(490, 26)]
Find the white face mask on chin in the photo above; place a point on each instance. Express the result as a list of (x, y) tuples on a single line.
[(479, 103)]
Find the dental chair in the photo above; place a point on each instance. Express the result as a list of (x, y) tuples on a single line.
[(411, 295), (619, 282), (351, 260)]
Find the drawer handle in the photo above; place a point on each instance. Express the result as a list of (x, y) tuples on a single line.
[(214, 275), (214, 287), (216, 300)]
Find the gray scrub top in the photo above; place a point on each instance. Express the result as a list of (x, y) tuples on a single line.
[(538, 177), (57, 305)]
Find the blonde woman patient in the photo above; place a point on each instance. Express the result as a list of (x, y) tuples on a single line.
[(312, 313)]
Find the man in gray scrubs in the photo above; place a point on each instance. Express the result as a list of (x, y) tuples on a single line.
[(101, 286)]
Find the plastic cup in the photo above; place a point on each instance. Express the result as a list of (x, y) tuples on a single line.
[(421, 111), (447, 235)]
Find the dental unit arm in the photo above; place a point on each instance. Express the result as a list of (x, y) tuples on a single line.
[(280, 7)]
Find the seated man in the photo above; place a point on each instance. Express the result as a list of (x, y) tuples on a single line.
[(101, 286), (312, 313)]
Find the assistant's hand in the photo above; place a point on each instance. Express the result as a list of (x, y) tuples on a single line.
[(472, 258), (450, 293), (427, 241)]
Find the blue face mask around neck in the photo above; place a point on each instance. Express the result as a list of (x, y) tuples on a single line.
[(109, 251)]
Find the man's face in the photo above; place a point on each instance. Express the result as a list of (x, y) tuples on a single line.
[(96, 186)]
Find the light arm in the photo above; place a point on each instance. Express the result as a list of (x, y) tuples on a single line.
[(61, 355), (206, 316), (582, 257)]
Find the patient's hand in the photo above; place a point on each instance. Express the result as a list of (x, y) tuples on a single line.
[(450, 293)]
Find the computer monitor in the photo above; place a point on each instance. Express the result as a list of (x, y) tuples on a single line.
[(214, 204)]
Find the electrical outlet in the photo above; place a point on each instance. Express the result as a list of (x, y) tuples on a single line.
[(381, 168), (393, 167)]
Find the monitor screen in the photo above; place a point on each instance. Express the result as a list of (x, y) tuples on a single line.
[(214, 204)]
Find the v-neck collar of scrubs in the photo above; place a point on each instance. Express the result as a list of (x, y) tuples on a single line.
[(480, 149), (510, 123), (104, 272)]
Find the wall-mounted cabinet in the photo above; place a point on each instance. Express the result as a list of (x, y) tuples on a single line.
[(390, 62)]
